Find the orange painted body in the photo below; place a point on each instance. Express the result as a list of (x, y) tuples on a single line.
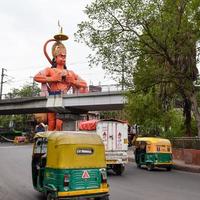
[(60, 80)]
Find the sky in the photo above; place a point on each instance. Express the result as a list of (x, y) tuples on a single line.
[(26, 25)]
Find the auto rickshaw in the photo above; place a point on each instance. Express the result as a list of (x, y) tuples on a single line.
[(153, 152), (69, 165)]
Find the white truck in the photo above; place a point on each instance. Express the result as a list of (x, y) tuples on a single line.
[(114, 134)]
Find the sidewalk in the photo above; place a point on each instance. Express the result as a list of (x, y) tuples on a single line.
[(178, 164)]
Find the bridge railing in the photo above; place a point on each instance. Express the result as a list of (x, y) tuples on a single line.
[(107, 88), (91, 88)]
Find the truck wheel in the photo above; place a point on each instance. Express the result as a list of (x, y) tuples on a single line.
[(118, 169)]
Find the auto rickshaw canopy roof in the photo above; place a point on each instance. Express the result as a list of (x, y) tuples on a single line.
[(154, 145), (70, 137), (153, 140), (73, 149)]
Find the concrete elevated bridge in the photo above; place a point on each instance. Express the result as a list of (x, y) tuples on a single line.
[(70, 103)]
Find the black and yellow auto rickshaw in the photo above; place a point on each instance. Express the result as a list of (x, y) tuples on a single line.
[(153, 152), (69, 165)]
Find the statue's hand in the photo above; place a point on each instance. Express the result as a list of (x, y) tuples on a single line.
[(56, 77), (70, 78)]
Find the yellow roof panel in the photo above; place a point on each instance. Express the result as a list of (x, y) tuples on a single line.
[(153, 140), (70, 137)]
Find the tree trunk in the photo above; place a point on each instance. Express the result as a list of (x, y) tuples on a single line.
[(187, 114), (195, 110)]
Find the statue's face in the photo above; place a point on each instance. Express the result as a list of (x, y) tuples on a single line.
[(61, 59)]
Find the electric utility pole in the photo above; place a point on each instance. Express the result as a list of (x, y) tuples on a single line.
[(123, 79), (33, 86), (2, 82)]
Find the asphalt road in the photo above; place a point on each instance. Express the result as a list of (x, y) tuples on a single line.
[(134, 184)]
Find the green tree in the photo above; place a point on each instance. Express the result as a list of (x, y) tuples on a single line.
[(156, 34), (27, 90), (20, 121), (144, 109)]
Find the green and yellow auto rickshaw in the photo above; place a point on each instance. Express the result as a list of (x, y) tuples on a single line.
[(69, 165), (153, 152)]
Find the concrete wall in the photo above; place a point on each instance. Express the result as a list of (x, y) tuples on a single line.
[(189, 156)]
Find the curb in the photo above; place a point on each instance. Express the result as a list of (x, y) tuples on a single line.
[(193, 169)]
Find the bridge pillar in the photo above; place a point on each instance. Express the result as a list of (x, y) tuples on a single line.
[(70, 121)]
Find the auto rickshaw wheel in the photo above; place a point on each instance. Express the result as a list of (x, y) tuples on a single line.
[(150, 166), (138, 165), (169, 168), (50, 196)]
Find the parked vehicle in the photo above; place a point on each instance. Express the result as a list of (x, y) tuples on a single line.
[(69, 165), (8, 135), (153, 152), (114, 134)]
